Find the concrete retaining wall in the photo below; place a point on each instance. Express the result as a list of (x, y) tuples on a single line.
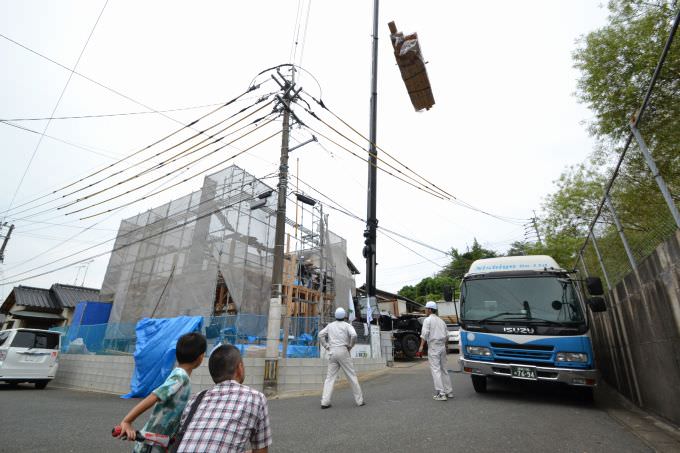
[(112, 374), (637, 340)]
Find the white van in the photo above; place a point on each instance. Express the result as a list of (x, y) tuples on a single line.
[(29, 355)]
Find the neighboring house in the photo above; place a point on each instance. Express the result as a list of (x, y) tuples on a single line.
[(40, 308)]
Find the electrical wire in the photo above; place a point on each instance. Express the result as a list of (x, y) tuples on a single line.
[(111, 115), (180, 155), (63, 91), (114, 249), (139, 151), (176, 184), (157, 179), (89, 79), (51, 137), (375, 165), (128, 233), (446, 195), (339, 208)]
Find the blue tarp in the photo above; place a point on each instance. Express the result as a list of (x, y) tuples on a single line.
[(155, 351), (86, 314)]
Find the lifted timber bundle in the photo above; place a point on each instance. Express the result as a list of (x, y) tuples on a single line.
[(412, 67)]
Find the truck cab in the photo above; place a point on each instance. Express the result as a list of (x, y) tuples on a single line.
[(524, 318)]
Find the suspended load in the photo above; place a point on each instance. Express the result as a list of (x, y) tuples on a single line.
[(412, 67)]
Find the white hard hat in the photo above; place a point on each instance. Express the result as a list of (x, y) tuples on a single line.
[(431, 305), (340, 313)]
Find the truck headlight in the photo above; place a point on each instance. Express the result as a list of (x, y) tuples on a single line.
[(571, 357), (478, 350)]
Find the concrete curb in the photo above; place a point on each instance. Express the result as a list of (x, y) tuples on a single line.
[(658, 434)]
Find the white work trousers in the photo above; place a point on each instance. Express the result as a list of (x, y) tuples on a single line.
[(436, 355), (338, 357)]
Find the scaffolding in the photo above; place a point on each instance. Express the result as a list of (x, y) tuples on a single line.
[(210, 253)]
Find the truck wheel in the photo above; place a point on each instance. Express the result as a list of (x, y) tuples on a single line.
[(409, 345), (41, 385), (479, 383)]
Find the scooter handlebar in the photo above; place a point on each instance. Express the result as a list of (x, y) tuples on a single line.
[(115, 432)]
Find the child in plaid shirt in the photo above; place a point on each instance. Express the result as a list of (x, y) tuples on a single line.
[(231, 416), (171, 397)]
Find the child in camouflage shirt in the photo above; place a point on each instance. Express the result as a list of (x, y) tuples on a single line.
[(171, 397)]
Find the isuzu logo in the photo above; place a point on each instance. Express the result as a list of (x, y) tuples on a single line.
[(520, 330)]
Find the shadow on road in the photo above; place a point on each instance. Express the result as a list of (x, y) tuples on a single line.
[(19, 387), (538, 392)]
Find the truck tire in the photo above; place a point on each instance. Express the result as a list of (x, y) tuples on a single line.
[(479, 383), (41, 384), (410, 345)]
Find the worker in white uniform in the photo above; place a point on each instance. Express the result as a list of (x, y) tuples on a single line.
[(338, 338), (434, 332)]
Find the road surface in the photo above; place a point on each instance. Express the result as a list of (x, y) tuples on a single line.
[(400, 415)]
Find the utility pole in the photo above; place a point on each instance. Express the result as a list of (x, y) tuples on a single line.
[(370, 232), (276, 308), (533, 221), (4, 243)]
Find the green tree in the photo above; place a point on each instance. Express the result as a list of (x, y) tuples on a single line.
[(616, 63), (460, 262)]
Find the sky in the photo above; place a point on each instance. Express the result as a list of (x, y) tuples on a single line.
[(505, 124)]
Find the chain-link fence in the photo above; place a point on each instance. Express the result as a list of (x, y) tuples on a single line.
[(633, 245), (638, 210)]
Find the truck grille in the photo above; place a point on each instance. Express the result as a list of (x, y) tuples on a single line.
[(511, 351)]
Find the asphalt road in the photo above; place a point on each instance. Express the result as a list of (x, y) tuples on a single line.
[(400, 415)]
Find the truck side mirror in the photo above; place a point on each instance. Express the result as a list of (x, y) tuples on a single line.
[(597, 304), (594, 285)]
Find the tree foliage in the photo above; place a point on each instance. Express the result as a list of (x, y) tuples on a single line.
[(432, 288), (616, 63)]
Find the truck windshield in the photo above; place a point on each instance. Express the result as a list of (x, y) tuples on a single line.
[(534, 299)]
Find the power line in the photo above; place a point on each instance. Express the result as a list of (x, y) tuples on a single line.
[(138, 187), (182, 154), (445, 194), (75, 145), (111, 115), (35, 150), (91, 227), (115, 249), (139, 151), (176, 184), (89, 79), (339, 208)]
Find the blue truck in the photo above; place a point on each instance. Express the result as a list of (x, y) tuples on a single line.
[(524, 317)]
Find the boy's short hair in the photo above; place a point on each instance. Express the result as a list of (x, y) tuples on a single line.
[(190, 346), (223, 362)]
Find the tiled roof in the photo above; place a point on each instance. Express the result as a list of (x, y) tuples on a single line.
[(56, 298), (29, 296), (68, 296)]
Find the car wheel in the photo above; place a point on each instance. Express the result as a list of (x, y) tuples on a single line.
[(41, 385), (479, 383), (410, 345)]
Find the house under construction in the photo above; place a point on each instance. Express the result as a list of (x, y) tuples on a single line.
[(210, 253)]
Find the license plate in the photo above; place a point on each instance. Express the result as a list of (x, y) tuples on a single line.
[(523, 372), (31, 358)]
